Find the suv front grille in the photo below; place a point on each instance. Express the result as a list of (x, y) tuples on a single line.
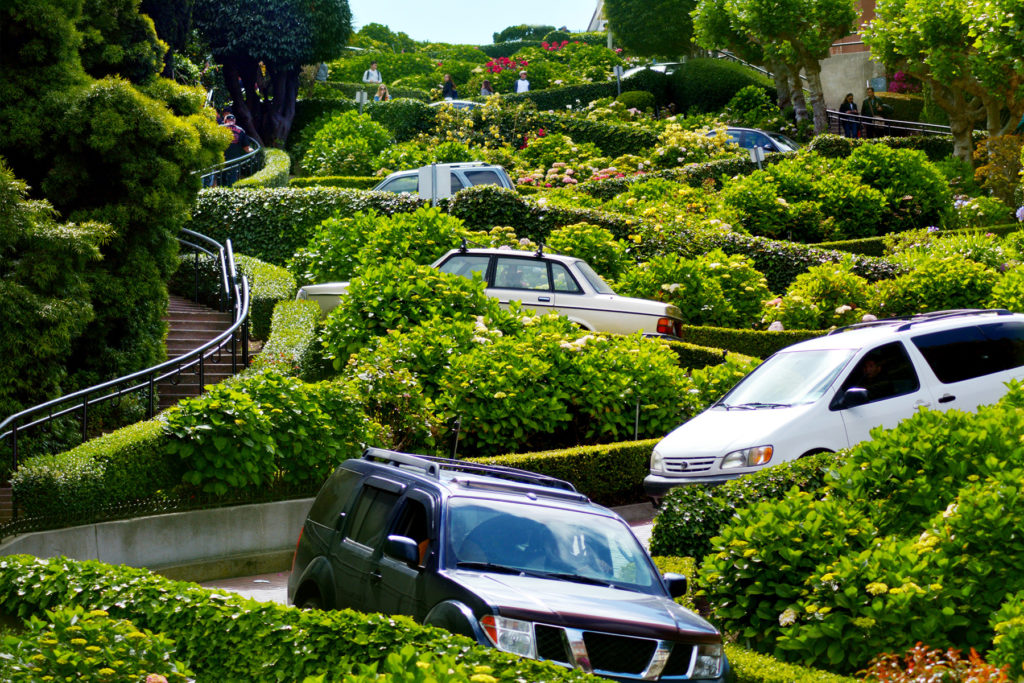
[(619, 654), (679, 465), (551, 644), (678, 663)]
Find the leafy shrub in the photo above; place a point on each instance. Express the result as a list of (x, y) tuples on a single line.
[(753, 343), (959, 174), (678, 146), (640, 100), (916, 192), (346, 145), (88, 646), (690, 516), (752, 667), (274, 172), (396, 297), (971, 212), (915, 246), (291, 348), (116, 468), (829, 295), (268, 284), (341, 247), (708, 84), (597, 246), (262, 427), (830, 146), (1008, 624), (936, 284), (922, 660), (752, 107), (221, 636), (356, 182), (714, 289), (998, 166)]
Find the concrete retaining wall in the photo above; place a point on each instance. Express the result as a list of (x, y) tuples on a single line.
[(197, 546)]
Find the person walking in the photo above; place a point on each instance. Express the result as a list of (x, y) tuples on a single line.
[(848, 112), (522, 85), (448, 90), (240, 145), (486, 89), (875, 109), (371, 75)]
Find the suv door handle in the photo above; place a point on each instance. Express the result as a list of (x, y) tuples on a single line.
[(376, 576), (947, 398)]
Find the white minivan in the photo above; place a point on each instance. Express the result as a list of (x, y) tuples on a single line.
[(828, 393)]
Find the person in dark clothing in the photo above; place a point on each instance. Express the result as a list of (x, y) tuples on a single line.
[(448, 91), (240, 145), (850, 125), (877, 110)]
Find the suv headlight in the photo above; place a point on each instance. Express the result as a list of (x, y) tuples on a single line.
[(748, 457), (657, 461), (709, 661), (510, 635)]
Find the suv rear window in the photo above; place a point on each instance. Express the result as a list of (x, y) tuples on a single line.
[(484, 177), (968, 352), (370, 517)]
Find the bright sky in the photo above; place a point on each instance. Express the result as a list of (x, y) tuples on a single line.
[(468, 21)]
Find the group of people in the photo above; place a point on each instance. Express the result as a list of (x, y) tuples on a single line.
[(448, 90), (855, 122)]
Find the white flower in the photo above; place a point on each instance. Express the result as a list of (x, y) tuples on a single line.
[(843, 309), (788, 617), (775, 327)]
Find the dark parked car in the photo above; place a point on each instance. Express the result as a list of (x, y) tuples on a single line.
[(748, 138), (512, 559)]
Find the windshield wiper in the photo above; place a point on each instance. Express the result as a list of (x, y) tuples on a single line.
[(488, 566), (576, 578), (755, 404), (561, 576)]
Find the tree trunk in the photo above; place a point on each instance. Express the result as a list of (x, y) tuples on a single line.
[(813, 70), (796, 90), (278, 111), (785, 96), (962, 116)]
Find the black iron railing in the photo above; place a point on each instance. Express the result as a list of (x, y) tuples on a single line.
[(881, 127), (227, 173), (234, 296)]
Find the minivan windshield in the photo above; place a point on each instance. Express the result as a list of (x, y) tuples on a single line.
[(788, 378), (547, 542)]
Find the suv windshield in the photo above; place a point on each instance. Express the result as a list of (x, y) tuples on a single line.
[(788, 378), (548, 542)]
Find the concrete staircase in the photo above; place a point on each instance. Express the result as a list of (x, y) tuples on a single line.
[(190, 325), (6, 503)]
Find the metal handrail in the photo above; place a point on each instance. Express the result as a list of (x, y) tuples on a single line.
[(888, 125), (229, 172), (235, 290)]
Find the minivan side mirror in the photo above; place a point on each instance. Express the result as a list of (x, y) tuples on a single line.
[(676, 584), (851, 398), (404, 549)]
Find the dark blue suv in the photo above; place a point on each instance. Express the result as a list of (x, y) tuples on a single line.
[(513, 559)]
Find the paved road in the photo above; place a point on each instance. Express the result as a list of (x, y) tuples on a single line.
[(274, 587)]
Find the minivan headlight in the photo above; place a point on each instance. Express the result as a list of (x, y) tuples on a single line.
[(709, 661), (748, 457), (657, 461), (510, 635)]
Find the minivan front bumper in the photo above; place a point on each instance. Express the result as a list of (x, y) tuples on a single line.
[(656, 486)]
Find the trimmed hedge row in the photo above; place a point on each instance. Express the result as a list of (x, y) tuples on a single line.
[(707, 84), (117, 468), (754, 343), (692, 515), (349, 90), (875, 246), (935, 147), (292, 346), (274, 172), (226, 637), (350, 182), (752, 667)]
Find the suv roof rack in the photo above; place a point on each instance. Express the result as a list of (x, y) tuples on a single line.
[(432, 466), (909, 320)]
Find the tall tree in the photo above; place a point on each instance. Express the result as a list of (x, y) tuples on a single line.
[(655, 28), (971, 52), (262, 47), (173, 22), (796, 32), (118, 40)]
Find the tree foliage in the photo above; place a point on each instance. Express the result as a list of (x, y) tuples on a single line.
[(117, 39), (263, 46), (655, 28), (969, 51), (522, 32)]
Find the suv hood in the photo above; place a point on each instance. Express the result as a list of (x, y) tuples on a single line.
[(584, 606)]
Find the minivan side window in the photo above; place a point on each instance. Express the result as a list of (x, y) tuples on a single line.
[(885, 372), (370, 517), (967, 352)]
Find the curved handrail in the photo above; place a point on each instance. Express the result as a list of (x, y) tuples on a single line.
[(902, 127), (235, 290), (229, 172)]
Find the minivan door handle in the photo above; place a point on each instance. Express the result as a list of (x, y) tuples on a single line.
[(947, 398)]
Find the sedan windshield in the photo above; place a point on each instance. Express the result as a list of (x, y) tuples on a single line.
[(536, 540), (599, 285), (788, 378), (785, 144)]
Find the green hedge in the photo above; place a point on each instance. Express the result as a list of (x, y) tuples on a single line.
[(613, 139), (228, 638), (875, 246), (935, 147), (273, 174), (268, 284), (350, 182), (270, 224), (508, 48), (610, 474), (754, 343), (349, 90), (116, 468), (292, 346), (691, 515), (708, 84), (752, 667)]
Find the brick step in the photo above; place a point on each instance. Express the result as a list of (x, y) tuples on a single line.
[(179, 347), (6, 504), (203, 326), (186, 317)]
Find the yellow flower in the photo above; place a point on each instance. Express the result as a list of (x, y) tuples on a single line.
[(877, 588)]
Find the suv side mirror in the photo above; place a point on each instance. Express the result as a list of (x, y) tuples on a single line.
[(403, 548), (676, 584), (853, 397)]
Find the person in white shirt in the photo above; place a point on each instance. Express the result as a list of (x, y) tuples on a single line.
[(522, 85), (371, 75)]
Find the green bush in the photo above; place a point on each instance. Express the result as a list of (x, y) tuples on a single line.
[(88, 646), (708, 84), (829, 295), (1008, 624), (351, 182), (273, 174), (974, 212), (292, 347), (916, 246), (753, 343), (597, 246), (262, 427), (640, 100), (224, 637), (753, 107), (751, 667), (936, 284), (268, 284), (120, 467), (346, 145), (691, 516)]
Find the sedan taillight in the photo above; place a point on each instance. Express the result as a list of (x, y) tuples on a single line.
[(668, 326)]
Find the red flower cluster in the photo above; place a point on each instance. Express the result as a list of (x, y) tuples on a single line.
[(496, 66), (552, 47)]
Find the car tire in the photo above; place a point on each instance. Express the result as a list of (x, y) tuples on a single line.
[(311, 602)]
